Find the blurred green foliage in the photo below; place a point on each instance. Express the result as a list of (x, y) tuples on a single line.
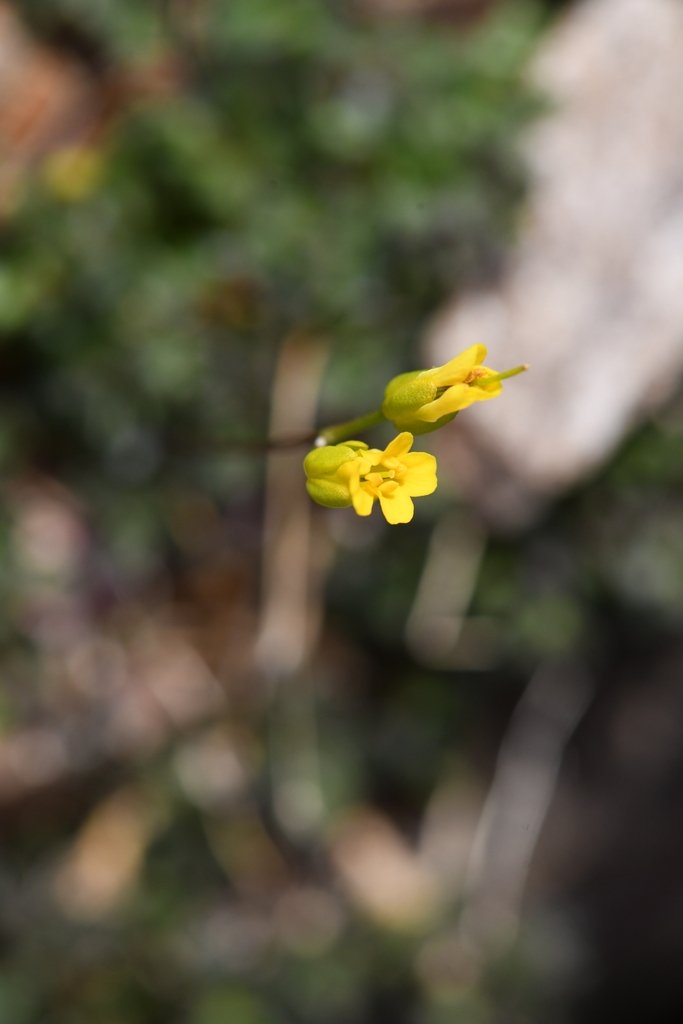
[(312, 169), (307, 168)]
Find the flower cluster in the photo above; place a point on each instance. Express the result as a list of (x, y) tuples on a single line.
[(350, 473), (353, 474)]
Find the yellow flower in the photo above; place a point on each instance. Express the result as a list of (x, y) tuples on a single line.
[(353, 474), (425, 400), (393, 477)]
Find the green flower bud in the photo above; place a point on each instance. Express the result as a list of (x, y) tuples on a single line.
[(425, 400), (329, 493), (328, 473), (404, 399)]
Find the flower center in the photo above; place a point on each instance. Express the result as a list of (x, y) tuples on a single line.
[(475, 374), (383, 478)]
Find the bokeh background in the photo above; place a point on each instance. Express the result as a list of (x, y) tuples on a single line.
[(266, 763)]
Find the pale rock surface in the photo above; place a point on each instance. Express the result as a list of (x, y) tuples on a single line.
[(592, 296)]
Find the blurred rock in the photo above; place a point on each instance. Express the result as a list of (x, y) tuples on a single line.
[(591, 297)]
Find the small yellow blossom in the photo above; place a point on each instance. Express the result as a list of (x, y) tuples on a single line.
[(393, 477), (425, 400), (353, 474)]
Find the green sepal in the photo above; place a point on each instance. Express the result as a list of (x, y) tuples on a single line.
[(327, 460), (329, 493), (404, 396)]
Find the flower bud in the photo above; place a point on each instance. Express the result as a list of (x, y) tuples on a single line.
[(328, 472), (404, 398), (425, 400)]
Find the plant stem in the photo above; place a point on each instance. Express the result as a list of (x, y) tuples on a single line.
[(338, 432), (481, 382)]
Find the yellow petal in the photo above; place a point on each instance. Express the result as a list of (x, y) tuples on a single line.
[(480, 394), (452, 400), (372, 457), (455, 369), (421, 480), (349, 473), (362, 502), (388, 488), (398, 447), (414, 460), (397, 507)]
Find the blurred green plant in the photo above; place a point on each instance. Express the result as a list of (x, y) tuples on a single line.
[(313, 169), (309, 168)]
